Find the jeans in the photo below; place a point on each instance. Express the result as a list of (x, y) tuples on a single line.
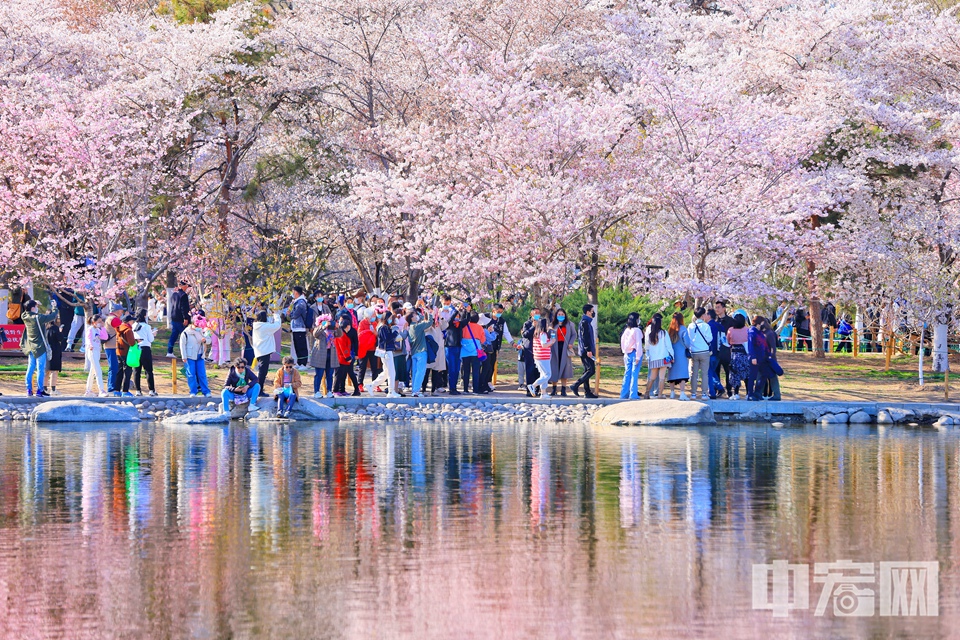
[(453, 367), (631, 376), (419, 370), (544, 367), (176, 328), (716, 387), (113, 366), (471, 365), (253, 392), (197, 376), (320, 374), (700, 368), (285, 399), (757, 380), (38, 364)]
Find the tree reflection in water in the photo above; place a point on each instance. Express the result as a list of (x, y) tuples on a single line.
[(476, 531)]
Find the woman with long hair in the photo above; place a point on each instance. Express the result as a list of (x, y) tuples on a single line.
[(659, 353), (737, 336), (561, 360), (631, 344), (679, 371)]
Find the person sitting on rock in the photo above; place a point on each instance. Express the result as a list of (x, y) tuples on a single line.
[(241, 382), (286, 387)]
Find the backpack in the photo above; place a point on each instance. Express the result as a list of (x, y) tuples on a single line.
[(432, 349), (310, 317), (14, 309)]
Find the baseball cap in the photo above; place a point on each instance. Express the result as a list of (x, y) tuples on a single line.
[(114, 307)]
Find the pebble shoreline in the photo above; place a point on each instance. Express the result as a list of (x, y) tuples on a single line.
[(150, 410)]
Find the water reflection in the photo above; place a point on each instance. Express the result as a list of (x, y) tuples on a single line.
[(440, 531)]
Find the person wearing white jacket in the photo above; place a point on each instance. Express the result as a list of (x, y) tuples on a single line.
[(659, 353), (144, 334), (701, 337), (631, 344), (264, 344)]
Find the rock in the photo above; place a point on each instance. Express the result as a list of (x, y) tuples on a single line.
[(860, 417), (198, 417), (884, 417), (654, 412), (306, 409), (753, 416), (777, 425), (833, 418), (944, 421), (83, 411), (899, 415)]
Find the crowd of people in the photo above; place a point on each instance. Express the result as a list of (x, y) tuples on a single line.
[(367, 343)]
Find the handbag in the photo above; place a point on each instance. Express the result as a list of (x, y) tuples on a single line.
[(133, 356), (481, 355)]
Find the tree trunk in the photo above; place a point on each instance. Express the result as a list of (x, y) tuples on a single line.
[(413, 287), (816, 324), (593, 279)]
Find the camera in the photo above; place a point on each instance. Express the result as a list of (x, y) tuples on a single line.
[(849, 601)]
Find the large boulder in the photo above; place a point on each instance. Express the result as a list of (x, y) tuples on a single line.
[(198, 417), (83, 411), (305, 409), (655, 412)]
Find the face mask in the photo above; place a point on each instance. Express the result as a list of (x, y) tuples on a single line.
[(497, 315), (561, 318), (536, 316), (349, 305), (446, 307)]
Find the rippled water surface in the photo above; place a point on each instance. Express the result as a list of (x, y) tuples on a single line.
[(374, 531)]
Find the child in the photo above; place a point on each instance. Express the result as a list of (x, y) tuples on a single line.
[(96, 335), (286, 387), (55, 362), (342, 345)]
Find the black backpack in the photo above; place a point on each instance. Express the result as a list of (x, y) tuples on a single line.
[(310, 317)]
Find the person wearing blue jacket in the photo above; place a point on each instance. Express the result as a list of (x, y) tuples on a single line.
[(587, 349)]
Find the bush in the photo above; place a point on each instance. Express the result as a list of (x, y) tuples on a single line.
[(615, 306)]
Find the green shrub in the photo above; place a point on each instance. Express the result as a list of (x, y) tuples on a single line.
[(615, 306)]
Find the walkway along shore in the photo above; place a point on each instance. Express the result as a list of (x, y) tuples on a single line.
[(525, 409)]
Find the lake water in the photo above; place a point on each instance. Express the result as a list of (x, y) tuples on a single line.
[(479, 531)]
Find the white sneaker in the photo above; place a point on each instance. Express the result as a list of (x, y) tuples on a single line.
[(330, 395), (392, 394), (735, 396), (704, 397), (532, 389), (683, 396), (104, 395), (441, 390), (672, 391), (89, 394), (416, 394), (318, 395)]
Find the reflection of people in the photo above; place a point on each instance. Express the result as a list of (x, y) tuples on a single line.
[(241, 382), (286, 387)]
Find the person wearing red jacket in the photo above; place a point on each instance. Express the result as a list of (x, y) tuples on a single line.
[(366, 345), (343, 345)]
